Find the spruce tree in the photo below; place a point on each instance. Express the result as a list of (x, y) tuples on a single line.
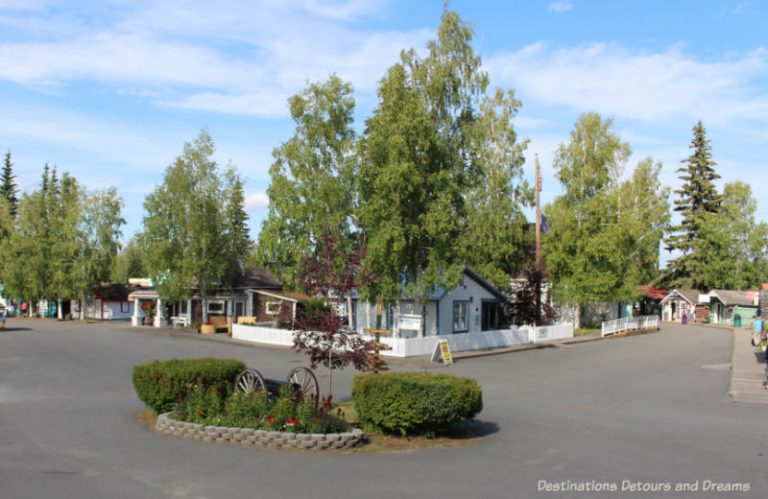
[(8, 190), (698, 197)]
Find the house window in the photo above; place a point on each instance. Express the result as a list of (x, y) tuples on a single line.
[(215, 307), (124, 307), (353, 326), (183, 307), (273, 307), (460, 323)]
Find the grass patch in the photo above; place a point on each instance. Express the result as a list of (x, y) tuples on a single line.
[(348, 412), (586, 330), (458, 436)]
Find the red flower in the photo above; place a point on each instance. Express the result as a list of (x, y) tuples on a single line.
[(314, 420), (270, 419), (291, 421)]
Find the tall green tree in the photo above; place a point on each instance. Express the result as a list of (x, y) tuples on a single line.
[(311, 187), (697, 198), (61, 240), (236, 231), (418, 162), (27, 263), (185, 234), (8, 188), (67, 245), (102, 223), (732, 246), (129, 263), (494, 240), (644, 216), (586, 248)]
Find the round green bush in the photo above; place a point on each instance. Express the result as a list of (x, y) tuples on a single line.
[(414, 403), (162, 384)]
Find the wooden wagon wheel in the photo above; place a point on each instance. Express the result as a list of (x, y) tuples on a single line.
[(304, 381), (249, 381)]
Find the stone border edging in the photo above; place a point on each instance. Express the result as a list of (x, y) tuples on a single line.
[(249, 437)]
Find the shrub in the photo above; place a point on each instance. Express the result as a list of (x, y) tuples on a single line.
[(201, 405), (414, 403), (162, 384), (256, 410)]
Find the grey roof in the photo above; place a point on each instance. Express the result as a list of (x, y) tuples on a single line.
[(734, 297), (260, 278), (690, 295)]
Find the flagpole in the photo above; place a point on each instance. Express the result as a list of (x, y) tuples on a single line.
[(538, 214)]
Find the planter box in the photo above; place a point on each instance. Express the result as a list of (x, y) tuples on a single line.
[(207, 329)]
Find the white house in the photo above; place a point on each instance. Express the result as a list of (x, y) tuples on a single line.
[(241, 299), (474, 305), (681, 302), (108, 301)]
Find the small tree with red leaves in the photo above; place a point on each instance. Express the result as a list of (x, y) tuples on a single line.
[(321, 332), (529, 306)]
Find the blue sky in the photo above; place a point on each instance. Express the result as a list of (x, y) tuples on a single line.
[(110, 91)]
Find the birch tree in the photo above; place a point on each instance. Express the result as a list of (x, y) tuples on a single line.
[(188, 241), (311, 187)]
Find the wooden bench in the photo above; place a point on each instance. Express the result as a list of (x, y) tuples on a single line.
[(180, 321), (246, 319)]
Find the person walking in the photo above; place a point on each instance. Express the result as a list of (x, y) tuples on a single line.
[(765, 383), (5, 315)]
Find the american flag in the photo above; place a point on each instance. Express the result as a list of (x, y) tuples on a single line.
[(538, 179)]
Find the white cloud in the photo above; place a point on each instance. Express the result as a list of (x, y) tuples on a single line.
[(637, 84), (228, 57), (560, 6), (257, 200)]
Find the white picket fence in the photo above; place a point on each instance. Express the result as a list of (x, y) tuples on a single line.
[(260, 334), (411, 347), (643, 323)]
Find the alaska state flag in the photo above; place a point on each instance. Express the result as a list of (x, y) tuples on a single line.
[(544, 224)]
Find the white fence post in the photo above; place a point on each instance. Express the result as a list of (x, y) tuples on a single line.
[(642, 323)]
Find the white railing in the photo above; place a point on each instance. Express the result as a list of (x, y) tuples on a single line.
[(411, 347), (260, 334), (643, 323), (549, 333)]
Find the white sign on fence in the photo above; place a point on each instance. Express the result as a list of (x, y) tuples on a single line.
[(410, 322)]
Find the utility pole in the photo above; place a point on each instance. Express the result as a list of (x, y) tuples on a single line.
[(538, 242)]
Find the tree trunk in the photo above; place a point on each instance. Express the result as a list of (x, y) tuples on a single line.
[(577, 317), (205, 307)]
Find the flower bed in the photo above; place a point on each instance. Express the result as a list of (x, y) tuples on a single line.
[(257, 438)]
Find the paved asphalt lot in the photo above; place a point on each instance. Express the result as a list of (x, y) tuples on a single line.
[(649, 409)]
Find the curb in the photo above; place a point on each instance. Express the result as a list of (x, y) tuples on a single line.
[(499, 351), (747, 377), (249, 437)]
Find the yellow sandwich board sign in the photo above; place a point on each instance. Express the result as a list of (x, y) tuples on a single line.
[(443, 351)]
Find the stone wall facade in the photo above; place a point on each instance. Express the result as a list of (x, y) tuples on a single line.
[(249, 437)]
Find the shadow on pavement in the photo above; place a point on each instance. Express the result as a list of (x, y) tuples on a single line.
[(760, 356), (480, 429), (11, 329)]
